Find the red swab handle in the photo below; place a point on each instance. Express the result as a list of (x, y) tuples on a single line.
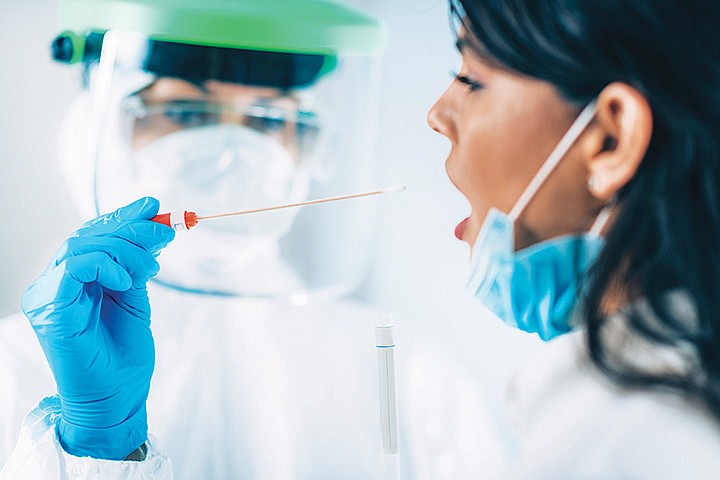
[(177, 220)]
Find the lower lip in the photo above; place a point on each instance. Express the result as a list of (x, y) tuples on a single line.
[(460, 229)]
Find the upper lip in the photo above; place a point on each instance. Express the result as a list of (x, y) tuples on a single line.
[(447, 172)]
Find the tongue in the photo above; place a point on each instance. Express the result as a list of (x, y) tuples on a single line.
[(460, 229)]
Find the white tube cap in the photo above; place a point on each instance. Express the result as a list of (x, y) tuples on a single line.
[(384, 331)]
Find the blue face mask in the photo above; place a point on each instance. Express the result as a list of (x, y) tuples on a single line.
[(534, 289)]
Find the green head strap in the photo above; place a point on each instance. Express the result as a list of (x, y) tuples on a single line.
[(318, 31), (294, 26)]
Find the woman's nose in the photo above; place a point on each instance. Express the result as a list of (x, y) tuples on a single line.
[(439, 117)]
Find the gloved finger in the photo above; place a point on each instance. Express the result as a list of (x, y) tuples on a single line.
[(139, 211), (137, 261), (62, 287), (142, 209), (97, 267), (151, 236)]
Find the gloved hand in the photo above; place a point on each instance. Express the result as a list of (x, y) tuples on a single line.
[(91, 313)]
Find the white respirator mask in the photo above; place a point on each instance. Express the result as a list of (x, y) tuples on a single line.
[(220, 168)]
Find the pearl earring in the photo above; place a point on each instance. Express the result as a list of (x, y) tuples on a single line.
[(593, 183)]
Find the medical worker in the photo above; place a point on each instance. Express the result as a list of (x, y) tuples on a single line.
[(585, 136), (218, 344)]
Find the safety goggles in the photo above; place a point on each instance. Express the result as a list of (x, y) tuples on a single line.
[(282, 118)]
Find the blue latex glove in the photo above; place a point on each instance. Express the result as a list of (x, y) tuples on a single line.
[(91, 313)]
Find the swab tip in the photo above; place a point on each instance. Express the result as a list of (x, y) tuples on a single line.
[(395, 189)]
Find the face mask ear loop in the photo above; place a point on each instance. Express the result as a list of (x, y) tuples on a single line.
[(601, 220), (570, 137)]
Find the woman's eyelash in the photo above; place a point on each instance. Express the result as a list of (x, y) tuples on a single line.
[(474, 86)]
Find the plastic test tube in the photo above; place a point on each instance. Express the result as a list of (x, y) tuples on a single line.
[(385, 343)]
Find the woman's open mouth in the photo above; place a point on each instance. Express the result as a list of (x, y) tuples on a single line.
[(460, 229)]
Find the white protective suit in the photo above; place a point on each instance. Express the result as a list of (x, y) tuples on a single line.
[(252, 389), (241, 389)]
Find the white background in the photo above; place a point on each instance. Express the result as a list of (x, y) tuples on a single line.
[(418, 268)]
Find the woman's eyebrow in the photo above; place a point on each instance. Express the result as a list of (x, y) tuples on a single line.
[(471, 47), (461, 44)]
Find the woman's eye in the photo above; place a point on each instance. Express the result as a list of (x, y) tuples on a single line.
[(472, 84)]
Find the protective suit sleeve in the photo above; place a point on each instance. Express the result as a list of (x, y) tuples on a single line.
[(39, 455)]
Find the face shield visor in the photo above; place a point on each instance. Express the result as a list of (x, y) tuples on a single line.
[(216, 129)]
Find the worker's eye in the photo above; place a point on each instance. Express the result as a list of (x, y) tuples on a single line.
[(266, 124), (190, 117)]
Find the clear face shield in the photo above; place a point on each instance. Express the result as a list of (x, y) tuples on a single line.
[(215, 130)]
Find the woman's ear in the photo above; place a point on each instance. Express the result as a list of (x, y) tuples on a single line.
[(619, 139)]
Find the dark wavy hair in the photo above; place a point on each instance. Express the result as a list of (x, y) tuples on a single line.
[(666, 237)]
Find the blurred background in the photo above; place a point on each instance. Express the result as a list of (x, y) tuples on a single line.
[(418, 268)]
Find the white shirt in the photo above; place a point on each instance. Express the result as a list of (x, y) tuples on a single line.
[(573, 422)]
